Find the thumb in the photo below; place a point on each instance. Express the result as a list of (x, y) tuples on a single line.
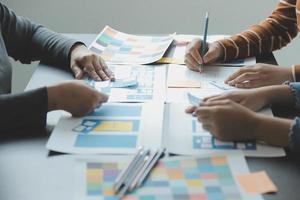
[(210, 56), (77, 71)]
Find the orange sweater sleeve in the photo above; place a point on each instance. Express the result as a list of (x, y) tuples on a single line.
[(271, 34)]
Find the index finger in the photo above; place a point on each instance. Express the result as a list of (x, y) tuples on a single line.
[(106, 70)]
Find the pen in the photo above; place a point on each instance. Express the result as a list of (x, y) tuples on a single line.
[(150, 166), (203, 45), (133, 172), (122, 176)]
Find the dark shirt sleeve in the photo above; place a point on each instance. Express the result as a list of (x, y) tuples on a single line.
[(27, 41), (24, 111)]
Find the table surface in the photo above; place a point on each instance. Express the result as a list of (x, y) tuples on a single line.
[(28, 172)]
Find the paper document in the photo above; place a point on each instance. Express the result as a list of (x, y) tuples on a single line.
[(201, 177), (116, 47), (143, 83), (184, 135), (110, 129)]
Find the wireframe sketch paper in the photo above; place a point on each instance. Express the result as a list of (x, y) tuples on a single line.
[(201, 177), (211, 82), (176, 51), (135, 83), (116, 47), (185, 135), (113, 128)]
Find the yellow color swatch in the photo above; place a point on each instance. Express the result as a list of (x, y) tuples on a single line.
[(114, 126), (258, 182)]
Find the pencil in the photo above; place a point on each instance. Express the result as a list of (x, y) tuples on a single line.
[(203, 45)]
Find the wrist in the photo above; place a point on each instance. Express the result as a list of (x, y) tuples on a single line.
[(53, 98), (75, 51), (272, 130), (289, 74), (275, 94)]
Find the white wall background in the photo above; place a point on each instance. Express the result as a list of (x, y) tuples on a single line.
[(145, 17)]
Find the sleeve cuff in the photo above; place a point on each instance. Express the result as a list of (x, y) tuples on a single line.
[(294, 135), (295, 87)]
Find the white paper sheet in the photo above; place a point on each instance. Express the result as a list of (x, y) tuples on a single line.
[(150, 87), (184, 135), (112, 129)]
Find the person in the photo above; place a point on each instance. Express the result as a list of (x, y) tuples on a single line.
[(232, 116), (275, 32), (27, 41)]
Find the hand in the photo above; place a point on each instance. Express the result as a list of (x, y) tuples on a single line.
[(85, 61), (260, 75), (74, 97), (192, 56), (254, 99), (227, 120)]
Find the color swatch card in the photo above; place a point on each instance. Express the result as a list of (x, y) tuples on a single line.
[(185, 135), (113, 128), (177, 178), (116, 47), (143, 83), (176, 51)]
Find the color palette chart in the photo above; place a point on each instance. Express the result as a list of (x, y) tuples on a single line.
[(150, 81), (204, 140), (110, 126), (206, 178), (120, 48)]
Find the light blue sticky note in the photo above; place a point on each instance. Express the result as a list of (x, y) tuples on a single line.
[(123, 83), (194, 100)]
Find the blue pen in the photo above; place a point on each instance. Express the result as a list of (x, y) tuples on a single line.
[(203, 45)]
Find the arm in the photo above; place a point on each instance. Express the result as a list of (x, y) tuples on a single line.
[(26, 41), (27, 111), (273, 33), (24, 111)]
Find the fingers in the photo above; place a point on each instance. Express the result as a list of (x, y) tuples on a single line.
[(77, 71), (216, 103), (249, 76), (89, 69), (106, 70), (192, 55), (99, 70), (240, 72), (190, 109), (250, 84), (191, 63)]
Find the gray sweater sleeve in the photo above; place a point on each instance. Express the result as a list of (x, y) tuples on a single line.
[(27, 41), (24, 111)]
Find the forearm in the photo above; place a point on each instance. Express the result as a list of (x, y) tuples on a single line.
[(273, 130), (24, 111), (273, 33), (277, 94)]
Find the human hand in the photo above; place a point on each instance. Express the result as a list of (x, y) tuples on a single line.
[(192, 56), (259, 75), (254, 99), (74, 97), (227, 120), (85, 61)]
